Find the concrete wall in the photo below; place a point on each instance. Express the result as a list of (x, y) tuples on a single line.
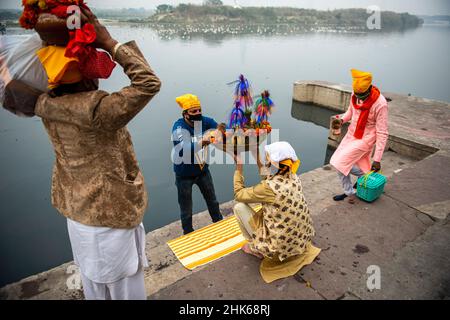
[(332, 96)]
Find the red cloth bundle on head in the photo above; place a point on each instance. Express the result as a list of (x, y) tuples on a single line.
[(93, 64), (33, 8), (96, 64)]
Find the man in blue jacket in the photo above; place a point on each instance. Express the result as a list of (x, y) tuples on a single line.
[(189, 139)]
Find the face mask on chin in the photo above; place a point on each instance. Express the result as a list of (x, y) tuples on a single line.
[(195, 117), (363, 96)]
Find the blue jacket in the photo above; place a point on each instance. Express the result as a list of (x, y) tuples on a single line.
[(184, 139)]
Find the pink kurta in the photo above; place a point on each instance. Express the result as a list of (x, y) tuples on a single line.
[(352, 151)]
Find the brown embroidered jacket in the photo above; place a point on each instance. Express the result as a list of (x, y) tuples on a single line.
[(96, 179)]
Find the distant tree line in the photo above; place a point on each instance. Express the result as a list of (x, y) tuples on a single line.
[(167, 8), (214, 11), (213, 3), (164, 8), (9, 14), (14, 14), (122, 13)]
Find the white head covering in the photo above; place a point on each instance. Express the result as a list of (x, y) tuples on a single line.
[(279, 151), (18, 60)]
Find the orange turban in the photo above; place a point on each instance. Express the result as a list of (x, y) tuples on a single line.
[(361, 81), (59, 68), (188, 101)]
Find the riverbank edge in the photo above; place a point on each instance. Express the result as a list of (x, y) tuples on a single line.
[(164, 268)]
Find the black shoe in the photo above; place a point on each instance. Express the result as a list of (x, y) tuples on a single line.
[(340, 197), (217, 219), (187, 232)]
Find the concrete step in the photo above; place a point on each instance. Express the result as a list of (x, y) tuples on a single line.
[(403, 234)]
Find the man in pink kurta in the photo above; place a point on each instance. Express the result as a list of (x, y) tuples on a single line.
[(368, 128)]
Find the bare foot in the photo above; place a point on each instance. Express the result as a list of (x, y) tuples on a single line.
[(352, 199), (246, 249)]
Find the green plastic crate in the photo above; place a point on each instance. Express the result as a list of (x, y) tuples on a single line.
[(370, 186)]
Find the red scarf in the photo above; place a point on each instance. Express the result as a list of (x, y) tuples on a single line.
[(365, 110)]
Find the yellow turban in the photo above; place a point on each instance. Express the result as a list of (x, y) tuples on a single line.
[(188, 101), (293, 165), (361, 81), (59, 68)]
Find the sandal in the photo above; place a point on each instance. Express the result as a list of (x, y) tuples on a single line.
[(352, 199)]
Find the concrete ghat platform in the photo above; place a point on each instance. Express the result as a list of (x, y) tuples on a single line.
[(406, 233)]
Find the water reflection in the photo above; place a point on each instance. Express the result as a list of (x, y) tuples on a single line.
[(317, 115), (215, 33), (312, 113)]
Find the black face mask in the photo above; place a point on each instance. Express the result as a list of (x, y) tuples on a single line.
[(195, 117), (363, 96)]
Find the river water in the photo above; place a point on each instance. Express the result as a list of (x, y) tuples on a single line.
[(33, 236)]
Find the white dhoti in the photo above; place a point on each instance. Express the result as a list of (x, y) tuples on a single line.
[(111, 261)]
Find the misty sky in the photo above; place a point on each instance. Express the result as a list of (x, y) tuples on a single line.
[(429, 7)]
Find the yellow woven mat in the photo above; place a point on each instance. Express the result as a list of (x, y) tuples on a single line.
[(209, 243)]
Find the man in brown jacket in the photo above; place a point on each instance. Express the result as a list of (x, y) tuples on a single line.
[(97, 183)]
